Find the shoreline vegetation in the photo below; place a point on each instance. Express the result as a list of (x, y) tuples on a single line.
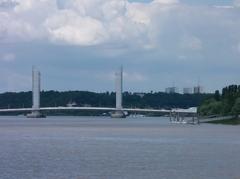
[(225, 104)]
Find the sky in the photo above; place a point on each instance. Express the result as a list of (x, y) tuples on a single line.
[(79, 44)]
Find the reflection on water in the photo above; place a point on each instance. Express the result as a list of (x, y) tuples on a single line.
[(105, 148)]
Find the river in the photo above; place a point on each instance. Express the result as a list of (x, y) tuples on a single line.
[(105, 148)]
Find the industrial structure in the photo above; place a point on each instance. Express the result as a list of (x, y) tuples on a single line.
[(187, 90), (198, 89)]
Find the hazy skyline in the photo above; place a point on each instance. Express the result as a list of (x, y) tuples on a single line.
[(79, 44)]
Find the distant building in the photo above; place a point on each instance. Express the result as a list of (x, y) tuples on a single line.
[(171, 90), (198, 90), (187, 90), (139, 94)]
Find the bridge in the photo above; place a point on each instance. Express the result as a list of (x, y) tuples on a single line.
[(185, 111), (117, 112)]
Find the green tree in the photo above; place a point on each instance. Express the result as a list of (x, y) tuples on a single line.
[(217, 95), (210, 107), (236, 107)]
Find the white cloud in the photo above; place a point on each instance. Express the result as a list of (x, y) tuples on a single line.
[(67, 26), (24, 5), (22, 20), (12, 29), (166, 1), (139, 13), (78, 22), (34, 6), (96, 22)]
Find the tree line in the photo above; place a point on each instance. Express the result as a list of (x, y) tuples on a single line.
[(226, 103), (106, 99)]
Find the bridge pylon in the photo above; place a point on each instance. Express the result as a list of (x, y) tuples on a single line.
[(36, 88), (119, 113)]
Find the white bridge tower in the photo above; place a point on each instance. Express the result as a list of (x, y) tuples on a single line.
[(119, 89), (36, 88)]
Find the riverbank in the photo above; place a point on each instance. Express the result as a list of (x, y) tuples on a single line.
[(233, 121)]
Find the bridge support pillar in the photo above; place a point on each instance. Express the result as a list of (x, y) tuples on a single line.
[(35, 114), (36, 88), (119, 113)]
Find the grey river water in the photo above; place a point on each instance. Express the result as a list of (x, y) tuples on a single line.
[(105, 148)]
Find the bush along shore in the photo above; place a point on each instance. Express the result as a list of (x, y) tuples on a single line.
[(226, 103)]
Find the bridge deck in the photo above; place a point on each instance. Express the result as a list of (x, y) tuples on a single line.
[(186, 111)]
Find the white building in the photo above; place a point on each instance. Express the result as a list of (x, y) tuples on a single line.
[(171, 90)]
